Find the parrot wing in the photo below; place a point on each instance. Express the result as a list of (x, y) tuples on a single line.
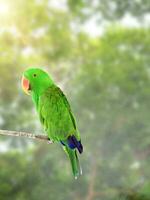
[(56, 115)]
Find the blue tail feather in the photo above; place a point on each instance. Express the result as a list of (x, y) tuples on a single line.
[(74, 143)]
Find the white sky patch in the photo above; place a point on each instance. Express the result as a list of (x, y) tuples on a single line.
[(27, 51), (14, 31), (4, 147), (130, 21), (11, 29), (92, 27), (3, 30), (135, 165), (95, 3), (4, 8), (39, 32), (61, 4), (147, 20)]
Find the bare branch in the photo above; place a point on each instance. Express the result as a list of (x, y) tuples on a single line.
[(24, 134)]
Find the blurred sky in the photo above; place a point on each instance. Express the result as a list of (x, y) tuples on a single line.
[(94, 27)]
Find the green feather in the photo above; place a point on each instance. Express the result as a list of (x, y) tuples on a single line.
[(72, 154), (56, 115)]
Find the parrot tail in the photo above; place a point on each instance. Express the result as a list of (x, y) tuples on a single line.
[(76, 168)]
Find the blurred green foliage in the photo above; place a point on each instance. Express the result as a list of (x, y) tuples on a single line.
[(109, 10), (106, 79)]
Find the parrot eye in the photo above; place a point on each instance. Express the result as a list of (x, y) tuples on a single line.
[(34, 75)]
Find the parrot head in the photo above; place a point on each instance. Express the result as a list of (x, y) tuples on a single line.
[(35, 80)]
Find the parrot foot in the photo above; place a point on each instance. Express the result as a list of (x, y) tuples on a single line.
[(49, 141)]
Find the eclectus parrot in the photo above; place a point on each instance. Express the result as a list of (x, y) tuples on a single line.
[(55, 113)]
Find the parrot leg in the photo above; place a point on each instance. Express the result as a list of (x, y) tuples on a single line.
[(49, 141)]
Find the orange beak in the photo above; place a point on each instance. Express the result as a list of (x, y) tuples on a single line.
[(25, 85)]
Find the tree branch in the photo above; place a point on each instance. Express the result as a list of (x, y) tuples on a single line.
[(24, 134)]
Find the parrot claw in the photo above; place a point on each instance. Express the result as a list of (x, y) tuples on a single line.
[(49, 141)]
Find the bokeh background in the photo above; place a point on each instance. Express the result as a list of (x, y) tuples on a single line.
[(98, 52)]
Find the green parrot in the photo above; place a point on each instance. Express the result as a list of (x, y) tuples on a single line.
[(55, 113)]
